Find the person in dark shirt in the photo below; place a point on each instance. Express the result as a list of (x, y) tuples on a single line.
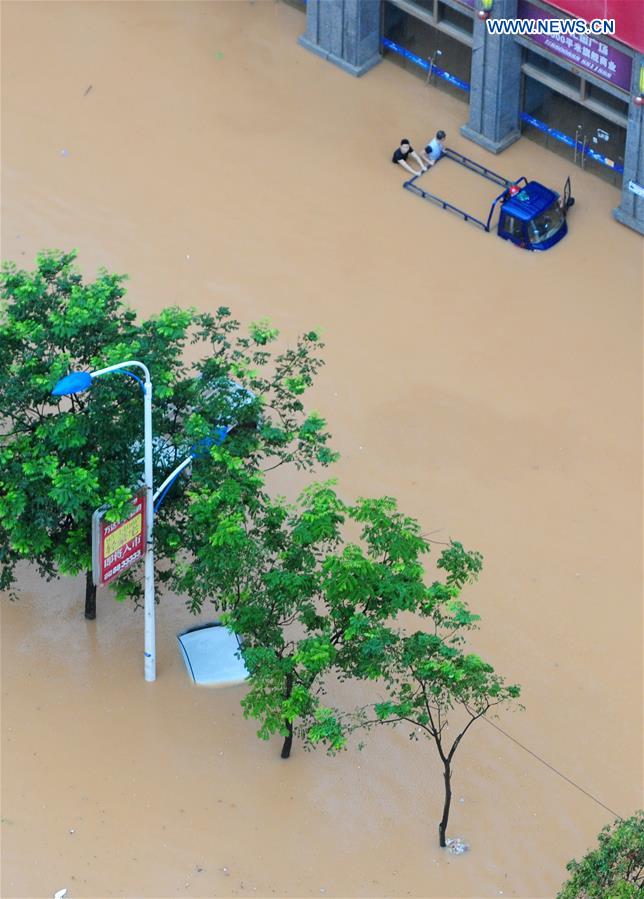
[(404, 151)]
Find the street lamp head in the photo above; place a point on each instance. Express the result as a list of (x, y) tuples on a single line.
[(74, 383)]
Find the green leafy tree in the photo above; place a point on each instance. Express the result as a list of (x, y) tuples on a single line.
[(311, 604), (615, 869), (428, 679), (290, 585), (432, 683), (61, 458)]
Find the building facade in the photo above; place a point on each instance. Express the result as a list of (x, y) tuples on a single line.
[(580, 95)]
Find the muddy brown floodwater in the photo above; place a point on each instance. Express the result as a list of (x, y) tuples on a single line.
[(495, 392)]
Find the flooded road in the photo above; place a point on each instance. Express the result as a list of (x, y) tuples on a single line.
[(495, 392)]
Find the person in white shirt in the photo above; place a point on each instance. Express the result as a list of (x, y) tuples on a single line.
[(434, 149)]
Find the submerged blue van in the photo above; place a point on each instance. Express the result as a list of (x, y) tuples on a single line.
[(532, 216)]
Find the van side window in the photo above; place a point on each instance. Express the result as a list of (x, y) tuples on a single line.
[(513, 226)]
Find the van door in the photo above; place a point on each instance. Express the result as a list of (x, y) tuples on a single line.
[(512, 228), (568, 199)]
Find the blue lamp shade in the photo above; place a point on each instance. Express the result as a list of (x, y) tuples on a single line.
[(74, 383)]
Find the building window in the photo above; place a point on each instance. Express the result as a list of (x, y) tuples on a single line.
[(425, 5), (586, 121), (603, 98), (458, 20), (550, 68), (430, 43)]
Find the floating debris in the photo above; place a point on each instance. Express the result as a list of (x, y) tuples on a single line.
[(457, 846), (64, 152), (88, 90), (225, 871), (219, 55)]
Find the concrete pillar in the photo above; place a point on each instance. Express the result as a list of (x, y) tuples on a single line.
[(631, 210), (495, 94), (345, 32)]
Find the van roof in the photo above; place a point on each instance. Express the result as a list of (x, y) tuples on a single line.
[(530, 201)]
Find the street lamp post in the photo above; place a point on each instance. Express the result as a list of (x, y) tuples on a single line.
[(76, 383)]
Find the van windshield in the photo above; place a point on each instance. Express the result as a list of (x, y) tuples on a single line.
[(544, 226)]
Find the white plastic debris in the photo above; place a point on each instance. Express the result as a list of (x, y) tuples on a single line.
[(457, 846), (60, 894)]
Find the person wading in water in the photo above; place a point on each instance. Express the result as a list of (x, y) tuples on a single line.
[(404, 151)]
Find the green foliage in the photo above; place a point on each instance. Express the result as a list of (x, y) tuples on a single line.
[(427, 674), (119, 504), (291, 587), (309, 604), (462, 567), (262, 333), (51, 478), (615, 869), (327, 729), (61, 458)]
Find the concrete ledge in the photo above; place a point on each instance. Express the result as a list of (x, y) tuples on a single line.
[(486, 143), (356, 71), (629, 220)]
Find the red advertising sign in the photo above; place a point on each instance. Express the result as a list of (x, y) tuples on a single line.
[(584, 51), (120, 544), (628, 15)]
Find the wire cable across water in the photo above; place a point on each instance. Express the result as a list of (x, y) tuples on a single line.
[(552, 768)]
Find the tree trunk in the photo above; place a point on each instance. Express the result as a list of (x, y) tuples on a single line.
[(90, 597), (442, 827), (288, 739)]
